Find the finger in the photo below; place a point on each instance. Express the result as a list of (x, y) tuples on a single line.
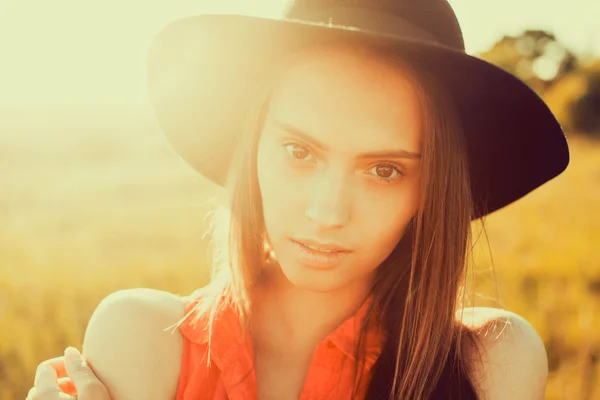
[(58, 363), (76, 367), (86, 383), (33, 394), (46, 380), (66, 385)]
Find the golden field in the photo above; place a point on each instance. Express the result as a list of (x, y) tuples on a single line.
[(94, 200)]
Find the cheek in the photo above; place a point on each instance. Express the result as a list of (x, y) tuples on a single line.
[(280, 195), (383, 218)]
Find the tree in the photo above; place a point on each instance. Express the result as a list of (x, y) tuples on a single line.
[(536, 57), (575, 99)]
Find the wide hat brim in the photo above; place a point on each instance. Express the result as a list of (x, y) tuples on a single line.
[(203, 72)]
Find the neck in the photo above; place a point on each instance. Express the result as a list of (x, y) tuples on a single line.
[(296, 319)]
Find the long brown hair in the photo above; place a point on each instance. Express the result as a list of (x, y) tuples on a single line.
[(416, 290)]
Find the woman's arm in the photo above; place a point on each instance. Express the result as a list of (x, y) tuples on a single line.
[(126, 343)]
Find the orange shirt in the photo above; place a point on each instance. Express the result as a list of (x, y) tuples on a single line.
[(231, 376)]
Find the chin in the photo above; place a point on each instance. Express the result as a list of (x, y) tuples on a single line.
[(306, 278)]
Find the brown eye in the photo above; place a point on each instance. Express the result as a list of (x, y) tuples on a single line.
[(386, 171), (297, 152)]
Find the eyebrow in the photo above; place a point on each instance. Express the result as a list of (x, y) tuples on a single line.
[(400, 153)]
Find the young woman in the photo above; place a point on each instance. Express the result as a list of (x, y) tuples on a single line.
[(357, 142)]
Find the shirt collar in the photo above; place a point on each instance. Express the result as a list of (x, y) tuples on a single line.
[(229, 338)]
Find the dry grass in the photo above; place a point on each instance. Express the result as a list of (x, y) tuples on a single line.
[(95, 201)]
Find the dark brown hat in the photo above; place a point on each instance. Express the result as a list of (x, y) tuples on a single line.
[(203, 71)]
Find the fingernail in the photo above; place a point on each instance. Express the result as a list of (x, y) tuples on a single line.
[(72, 352)]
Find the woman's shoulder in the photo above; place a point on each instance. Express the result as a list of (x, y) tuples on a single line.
[(514, 362), (128, 344)]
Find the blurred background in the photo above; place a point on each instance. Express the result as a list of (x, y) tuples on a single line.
[(93, 199)]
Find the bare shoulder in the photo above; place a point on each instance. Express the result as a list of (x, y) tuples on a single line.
[(129, 346), (514, 363)]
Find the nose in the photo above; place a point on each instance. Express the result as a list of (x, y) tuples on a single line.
[(330, 201)]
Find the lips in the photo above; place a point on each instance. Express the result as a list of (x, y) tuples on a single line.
[(318, 255), (322, 247)]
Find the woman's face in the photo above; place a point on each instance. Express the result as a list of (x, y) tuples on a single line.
[(338, 168)]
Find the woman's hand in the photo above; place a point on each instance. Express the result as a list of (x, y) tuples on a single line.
[(68, 377)]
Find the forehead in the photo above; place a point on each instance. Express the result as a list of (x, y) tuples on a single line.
[(348, 98)]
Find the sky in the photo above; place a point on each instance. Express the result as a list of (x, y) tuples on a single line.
[(69, 51)]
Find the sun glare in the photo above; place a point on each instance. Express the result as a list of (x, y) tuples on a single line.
[(74, 52)]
